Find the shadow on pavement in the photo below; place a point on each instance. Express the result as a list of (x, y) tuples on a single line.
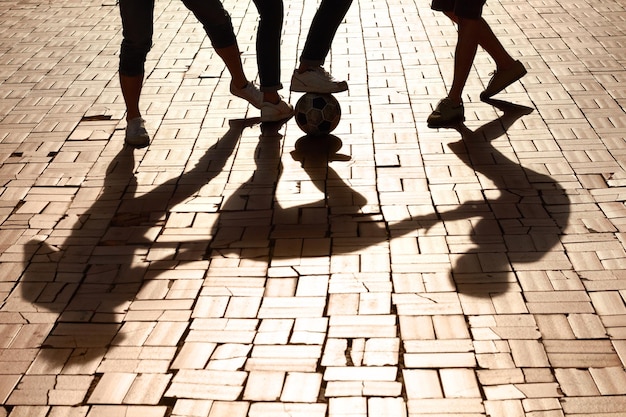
[(89, 279), (520, 217), (518, 220)]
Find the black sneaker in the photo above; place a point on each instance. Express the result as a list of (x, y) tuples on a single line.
[(502, 79), (446, 114)]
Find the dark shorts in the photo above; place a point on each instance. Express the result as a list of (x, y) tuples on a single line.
[(468, 9)]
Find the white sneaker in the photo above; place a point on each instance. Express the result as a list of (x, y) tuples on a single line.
[(250, 93), (316, 80), (271, 112), (136, 133)]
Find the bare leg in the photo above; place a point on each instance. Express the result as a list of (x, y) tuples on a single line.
[(489, 42), (466, 47), (232, 58), (131, 91), (271, 97)]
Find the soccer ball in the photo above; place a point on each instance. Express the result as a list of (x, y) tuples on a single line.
[(317, 114)]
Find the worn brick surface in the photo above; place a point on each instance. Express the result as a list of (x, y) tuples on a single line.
[(233, 269)]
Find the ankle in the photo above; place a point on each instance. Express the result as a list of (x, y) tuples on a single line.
[(456, 102), (240, 86), (506, 65), (271, 97), (306, 67)]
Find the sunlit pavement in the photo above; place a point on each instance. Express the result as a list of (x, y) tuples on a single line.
[(236, 269)]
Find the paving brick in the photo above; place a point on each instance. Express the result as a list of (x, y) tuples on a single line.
[(293, 307), (193, 355), (593, 405), (147, 389), (360, 373), (301, 387), (528, 353), (264, 386), (422, 383), (445, 406), (202, 385), (223, 408), (112, 388), (459, 383), (504, 408), (262, 409), (348, 406), (131, 411), (401, 273), (439, 360), (587, 326), (610, 380), (581, 353), (194, 408), (387, 407)]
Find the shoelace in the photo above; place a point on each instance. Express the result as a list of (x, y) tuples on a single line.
[(325, 73)]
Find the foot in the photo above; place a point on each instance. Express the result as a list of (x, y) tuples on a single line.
[(136, 133), (271, 112), (502, 79), (316, 80), (446, 113), (250, 92)]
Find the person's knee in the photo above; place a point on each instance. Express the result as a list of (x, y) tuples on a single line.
[(133, 56), (221, 32), (215, 20)]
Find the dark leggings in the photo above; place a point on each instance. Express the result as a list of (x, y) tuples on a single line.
[(138, 28), (325, 23), (268, 43)]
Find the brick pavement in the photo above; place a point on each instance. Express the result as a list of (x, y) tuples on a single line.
[(231, 269)]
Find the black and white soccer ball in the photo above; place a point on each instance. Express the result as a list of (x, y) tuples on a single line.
[(317, 114)]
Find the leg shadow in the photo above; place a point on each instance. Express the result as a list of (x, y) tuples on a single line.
[(520, 218), (87, 280), (254, 218)]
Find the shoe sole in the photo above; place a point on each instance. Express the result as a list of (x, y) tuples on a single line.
[(246, 99), (144, 142), (298, 87), (447, 123), (276, 118)]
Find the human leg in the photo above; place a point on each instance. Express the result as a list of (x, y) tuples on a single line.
[(131, 92), (508, 70), (310, 76), (218, 27), (450, 109), (464, 54), (322, 32), (466, 14), (274, 108), (268, 46), (137, 30)]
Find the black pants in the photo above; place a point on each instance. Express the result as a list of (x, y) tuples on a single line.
[(325, 23)]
